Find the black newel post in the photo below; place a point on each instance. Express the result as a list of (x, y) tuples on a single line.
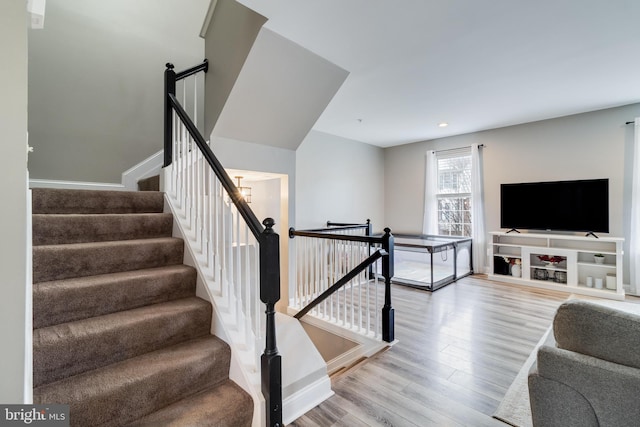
[(388, 333), (169, 88), (369, 232), (271, 362)]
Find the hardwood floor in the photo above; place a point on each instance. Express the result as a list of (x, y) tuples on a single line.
[(459, 350)]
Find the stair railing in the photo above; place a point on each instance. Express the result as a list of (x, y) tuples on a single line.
[(242, 258), (350, 228), (334, 281)]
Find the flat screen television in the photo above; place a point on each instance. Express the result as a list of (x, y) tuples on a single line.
[(581, 205)]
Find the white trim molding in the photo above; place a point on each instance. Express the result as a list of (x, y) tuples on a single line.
[(75, 185), (208, 18), (148, 167), (145, 169)]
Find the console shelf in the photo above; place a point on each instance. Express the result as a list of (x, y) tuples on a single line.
[(559, 262)]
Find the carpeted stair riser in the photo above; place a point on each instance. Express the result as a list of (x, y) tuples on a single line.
[(123, 392), (55, 262), (67, 349), (119, 334), (56, 229), (226, 402), (149, 184), (59, 201), (67, 300)]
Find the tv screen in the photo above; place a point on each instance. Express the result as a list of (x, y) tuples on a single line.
[(581, 205)]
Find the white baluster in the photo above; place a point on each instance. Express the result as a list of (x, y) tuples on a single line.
[(325, 272), (195, 101), (351, 283), (238, 269), (248, 295), (307, 285), (318, 271), (377, 306)]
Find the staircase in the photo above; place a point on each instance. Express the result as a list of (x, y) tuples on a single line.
[(119, 334)]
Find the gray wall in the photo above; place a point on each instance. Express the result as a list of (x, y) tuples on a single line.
[(583, 146), (96, 82), (13, 187), (340, 180), (229, 38)]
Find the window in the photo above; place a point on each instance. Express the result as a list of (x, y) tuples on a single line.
[(454, 193)]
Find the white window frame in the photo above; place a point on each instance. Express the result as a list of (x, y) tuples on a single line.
[(450, 223)]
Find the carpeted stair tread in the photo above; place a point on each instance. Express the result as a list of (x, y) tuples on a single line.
[(55, 262), (63, 201), (126, 391), (225, 405), (67, 349), (66, 300), (56, 229), (119, 334)]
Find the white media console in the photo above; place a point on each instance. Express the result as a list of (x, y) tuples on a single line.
[(559, 262)]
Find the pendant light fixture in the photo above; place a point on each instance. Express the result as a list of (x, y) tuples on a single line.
[(245, 192)]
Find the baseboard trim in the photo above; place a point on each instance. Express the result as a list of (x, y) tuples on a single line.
[(306, 399), (75, 185), (148, 167)]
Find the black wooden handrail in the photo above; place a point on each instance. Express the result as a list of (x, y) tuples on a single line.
[(268, 239), (349, 226), (204, 66), (345, 224), (235, 195), (335, 236), (340, 283), (231, 189)]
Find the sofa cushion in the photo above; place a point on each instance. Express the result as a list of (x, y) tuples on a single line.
[(599, 330)]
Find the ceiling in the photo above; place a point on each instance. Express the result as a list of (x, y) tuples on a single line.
[(473, 64)]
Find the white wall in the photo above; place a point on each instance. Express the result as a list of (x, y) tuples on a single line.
[(13, 187), (279, 94), (96, 82), (266, 198), (583, 146), (263, 158), (229, 36), (339, 180), (248, 156)]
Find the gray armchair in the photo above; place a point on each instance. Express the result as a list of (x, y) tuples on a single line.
[(590, 375)]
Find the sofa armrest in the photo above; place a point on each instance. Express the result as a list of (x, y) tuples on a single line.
[(555, 404), (610, 389), (600, 331)]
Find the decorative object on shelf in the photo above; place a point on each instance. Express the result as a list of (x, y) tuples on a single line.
[(611, 281), (513, 263), (589, 282), (551, 261), (598, 282), (560, 276), (516, 269), (540, 274), (598, 258)]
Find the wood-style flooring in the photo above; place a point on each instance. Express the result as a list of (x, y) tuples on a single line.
[(459, 349)]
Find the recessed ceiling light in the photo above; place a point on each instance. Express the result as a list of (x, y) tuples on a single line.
[(443, 124)]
